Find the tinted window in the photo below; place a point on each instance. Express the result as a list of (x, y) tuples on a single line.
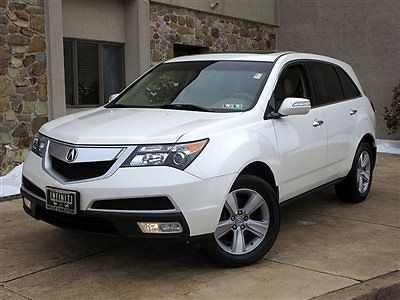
[(350, 89), (292, 83), (326, 83)]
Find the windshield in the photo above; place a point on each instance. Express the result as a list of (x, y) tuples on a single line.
[(219, 86)]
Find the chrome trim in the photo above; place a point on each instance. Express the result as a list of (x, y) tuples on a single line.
[(84, 154), (103, 153), (353, 112)]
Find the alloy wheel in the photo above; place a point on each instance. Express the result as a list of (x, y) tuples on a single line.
[(363, 172), (244, 222)]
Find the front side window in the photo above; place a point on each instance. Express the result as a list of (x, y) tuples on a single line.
[(219, 86), (291, 83), (93, 71), (326, 83)]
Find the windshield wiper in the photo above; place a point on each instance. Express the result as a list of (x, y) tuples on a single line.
[(117, 105), (184, 107)]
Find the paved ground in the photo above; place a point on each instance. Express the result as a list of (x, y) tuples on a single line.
[(324, 246)]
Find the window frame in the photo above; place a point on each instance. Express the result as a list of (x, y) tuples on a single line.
[(75, 80)]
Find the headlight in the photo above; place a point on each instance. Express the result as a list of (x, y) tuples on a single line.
[(38, 144), (174, 155)]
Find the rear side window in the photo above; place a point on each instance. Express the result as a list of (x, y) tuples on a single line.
[(326, 83), (350, 89)]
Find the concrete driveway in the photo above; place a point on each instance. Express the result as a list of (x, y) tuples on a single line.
[(324, 246)]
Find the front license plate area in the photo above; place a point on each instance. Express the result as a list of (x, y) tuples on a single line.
[(63, 201)]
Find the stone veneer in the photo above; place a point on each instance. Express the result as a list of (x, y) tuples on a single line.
[(23, 78), (171, 25)]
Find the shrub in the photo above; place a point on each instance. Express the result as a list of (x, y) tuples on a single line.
[(392, 113)]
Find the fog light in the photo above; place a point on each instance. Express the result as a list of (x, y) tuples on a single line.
[(168, 227), (27, 203)]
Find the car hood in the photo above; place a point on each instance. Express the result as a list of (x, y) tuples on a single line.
[(110, 126)]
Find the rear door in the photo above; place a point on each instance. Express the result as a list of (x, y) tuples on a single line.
[(330, 95), (301, 140)]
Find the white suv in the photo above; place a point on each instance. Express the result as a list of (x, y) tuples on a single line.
[(206, 148)]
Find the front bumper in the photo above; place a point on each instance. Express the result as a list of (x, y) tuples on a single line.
[(197, 202), (104, 222)]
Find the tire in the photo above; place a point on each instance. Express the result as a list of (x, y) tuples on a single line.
[(350, 189), (241, 225)]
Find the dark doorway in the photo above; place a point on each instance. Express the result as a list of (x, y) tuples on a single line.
[(181, 50)]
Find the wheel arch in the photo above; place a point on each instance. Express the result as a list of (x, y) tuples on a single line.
[(263, 171), (369, 138)]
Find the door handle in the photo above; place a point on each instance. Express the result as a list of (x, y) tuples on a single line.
[(353, 112), (317, 123)]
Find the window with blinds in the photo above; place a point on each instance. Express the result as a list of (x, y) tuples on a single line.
[(93, 72)]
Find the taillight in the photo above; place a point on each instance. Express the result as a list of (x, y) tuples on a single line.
[(372, 105)]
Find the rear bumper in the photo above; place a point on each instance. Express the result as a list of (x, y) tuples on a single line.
[(106, 222)]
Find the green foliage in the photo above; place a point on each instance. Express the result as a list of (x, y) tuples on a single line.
[(392, 113)]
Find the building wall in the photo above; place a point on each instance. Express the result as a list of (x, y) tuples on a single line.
[(23, 78), (170, 24), (96, 20), (261, 11), (366, 34), (31, 48)]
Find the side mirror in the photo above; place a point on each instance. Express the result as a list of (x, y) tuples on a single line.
[(112, 97), (294, 106)]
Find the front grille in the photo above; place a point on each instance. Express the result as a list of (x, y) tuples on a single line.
[(149, 203), (31, 187), (82, 170), (92, 224)]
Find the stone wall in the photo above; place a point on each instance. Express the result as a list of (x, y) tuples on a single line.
[(169, 25), (23, 78)]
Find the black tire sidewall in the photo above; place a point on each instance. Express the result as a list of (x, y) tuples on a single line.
[(352, 177), (215, 252)]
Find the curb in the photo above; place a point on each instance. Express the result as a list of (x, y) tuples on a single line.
[(383, 287)]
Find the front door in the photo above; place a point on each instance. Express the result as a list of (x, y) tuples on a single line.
[(302, 140)]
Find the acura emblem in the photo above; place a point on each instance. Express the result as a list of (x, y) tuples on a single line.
[(72, 154)]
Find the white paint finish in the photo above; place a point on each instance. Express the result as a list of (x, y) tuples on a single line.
[(340, 130), (270, 57), (262, 11), (345, 131), (128, 126), (201, 212), (294, 149), (102, 20), (302, 152), (55, 62), (295, 106)]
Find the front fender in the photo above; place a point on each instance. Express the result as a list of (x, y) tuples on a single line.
[(230, 151)]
